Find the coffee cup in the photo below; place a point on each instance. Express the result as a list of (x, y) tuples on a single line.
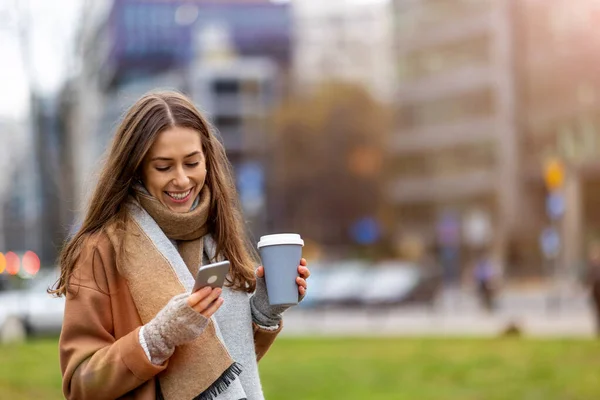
[(280, 255)]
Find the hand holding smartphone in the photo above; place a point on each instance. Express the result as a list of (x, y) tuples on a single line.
[(212, 275)]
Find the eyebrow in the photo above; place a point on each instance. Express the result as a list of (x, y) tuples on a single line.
[(170, 159)]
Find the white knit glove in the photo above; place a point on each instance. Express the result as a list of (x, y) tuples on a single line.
[(176, 324)]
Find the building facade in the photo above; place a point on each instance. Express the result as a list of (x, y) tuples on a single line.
[(559, 55), (344, 40), (238, 95), (454, 150), (150, 36), (228, 56), (489, 91), (20, 200)]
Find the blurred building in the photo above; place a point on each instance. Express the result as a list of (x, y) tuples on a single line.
[(559, 55), (54, 171), (35, 183), (231, 57), (82, 104), (149, 36), (344, 40), (19, 195), (488, 92), (455, 146), (238, 95)]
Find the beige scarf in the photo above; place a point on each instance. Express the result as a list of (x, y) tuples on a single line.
[(156, 271), (186, 228)]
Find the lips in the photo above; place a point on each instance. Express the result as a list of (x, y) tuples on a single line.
[(179, 197)]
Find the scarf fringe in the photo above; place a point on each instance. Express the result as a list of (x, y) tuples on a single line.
[(221, 384)]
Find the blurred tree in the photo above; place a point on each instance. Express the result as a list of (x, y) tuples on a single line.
[(326, 165)]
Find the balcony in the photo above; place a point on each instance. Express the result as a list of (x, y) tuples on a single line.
[(467, 79), (414, 190), (417, 36), (239, 139), (239, 105), (232, 138), (552, 115), (441, 136)]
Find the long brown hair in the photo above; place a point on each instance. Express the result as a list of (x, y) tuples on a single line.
[(150, 115)]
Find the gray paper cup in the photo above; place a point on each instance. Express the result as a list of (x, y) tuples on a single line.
[(281, 254)]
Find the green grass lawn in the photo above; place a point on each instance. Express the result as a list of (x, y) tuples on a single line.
[(428, 369)]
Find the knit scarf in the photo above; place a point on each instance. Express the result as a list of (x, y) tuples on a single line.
[(156, 271)]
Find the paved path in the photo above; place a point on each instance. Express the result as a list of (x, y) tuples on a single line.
[(539, 313), (419, 323)]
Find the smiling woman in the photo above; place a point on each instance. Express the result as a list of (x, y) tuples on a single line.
[(174, 169), (164, 205)]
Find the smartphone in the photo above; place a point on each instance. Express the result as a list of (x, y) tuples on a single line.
[(212, 275)]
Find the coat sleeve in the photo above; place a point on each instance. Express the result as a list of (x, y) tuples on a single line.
[(93, 363), (264, 338)]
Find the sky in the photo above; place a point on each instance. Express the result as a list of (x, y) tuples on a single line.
[(51, 25)]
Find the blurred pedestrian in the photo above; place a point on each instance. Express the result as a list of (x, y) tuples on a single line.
[(592, 278), (485, 276), (164, 204)]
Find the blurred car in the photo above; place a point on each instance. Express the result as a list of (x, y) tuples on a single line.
[(31, 310), (338, 284), (318, 276), (398, 283)]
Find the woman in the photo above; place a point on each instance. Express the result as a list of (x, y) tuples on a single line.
[(165, 203)]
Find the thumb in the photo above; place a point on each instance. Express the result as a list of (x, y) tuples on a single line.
[(260, 272)]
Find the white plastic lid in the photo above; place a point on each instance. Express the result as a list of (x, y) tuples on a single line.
[(280, 238)]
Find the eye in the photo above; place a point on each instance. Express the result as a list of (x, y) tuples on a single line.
[(162, 169), (193, 165)]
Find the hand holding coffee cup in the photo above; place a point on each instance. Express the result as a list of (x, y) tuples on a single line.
[(284, 269)]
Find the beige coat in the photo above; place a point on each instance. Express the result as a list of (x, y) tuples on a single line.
[(100, 353)]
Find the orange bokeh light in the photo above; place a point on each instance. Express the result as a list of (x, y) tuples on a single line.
[(31, 263), (12, 263), (2, 263)]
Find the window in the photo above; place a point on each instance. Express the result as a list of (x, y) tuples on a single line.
[(226, 86), (433, 60), (428, 14), (446, 110), (446, 162)]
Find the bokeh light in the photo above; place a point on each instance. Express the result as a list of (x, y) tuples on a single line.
[(13, 264), (2, 263), (31, 263)]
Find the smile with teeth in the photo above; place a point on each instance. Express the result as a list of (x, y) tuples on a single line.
[(179, 196)]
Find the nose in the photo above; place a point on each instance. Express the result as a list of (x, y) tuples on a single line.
[(181, 180)]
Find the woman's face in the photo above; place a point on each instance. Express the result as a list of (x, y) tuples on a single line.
[(174, 169)]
